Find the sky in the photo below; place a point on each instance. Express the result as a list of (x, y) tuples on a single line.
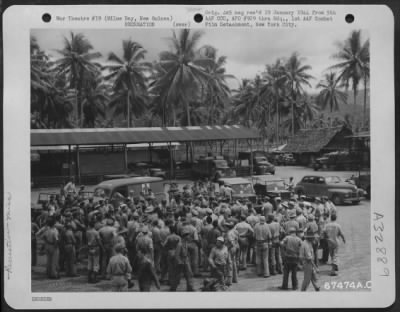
[(247, 50)]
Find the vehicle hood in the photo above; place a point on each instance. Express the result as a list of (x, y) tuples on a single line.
[(264, 163)]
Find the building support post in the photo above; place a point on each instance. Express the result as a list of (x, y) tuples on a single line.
[(171, 165), (251, 158), (125, 158), (69, 161), (78, 166)]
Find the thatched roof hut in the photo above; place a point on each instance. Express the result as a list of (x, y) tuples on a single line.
[(318, 141)]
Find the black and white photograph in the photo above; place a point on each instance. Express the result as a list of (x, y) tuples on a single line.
[(177, 160), (191, 156)]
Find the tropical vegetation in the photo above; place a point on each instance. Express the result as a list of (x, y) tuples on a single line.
[(188, 85)]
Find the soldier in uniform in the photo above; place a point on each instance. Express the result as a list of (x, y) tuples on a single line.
[(291, 223), (119, 270), (307, 257), (245, 231), (170, 245), (274, 252), (145, 268), (290, 253), (69, 249), (94, 246), (183, 263), (107, 234), (263, 238), (193, 245), (145, 242), (332, 232), (51, 239), (232, 242), (220, 261)]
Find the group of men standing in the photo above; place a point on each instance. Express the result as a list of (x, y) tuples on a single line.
[(195, 234)]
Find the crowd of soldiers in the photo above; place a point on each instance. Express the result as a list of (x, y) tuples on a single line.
[(195, 233)]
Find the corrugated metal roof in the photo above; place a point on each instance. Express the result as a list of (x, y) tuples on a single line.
[(98, 136)]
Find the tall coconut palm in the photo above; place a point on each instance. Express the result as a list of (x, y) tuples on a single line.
[(129, 74), (275, 87), (296, 77), (77, 64), (353, 66), (244, 106), (217, 92), (181, 76), (94, 102), (330, 95)]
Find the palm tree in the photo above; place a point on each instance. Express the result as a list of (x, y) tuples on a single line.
[(129, 74), (296, 77), (77, 64), (354, 62), (244, 106), (180, 74), (217, 92), (275, 87), (330, 95), (94, 102)]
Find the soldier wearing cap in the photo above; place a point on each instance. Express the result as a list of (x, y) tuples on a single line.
[(169, 246), (157, 246), (220, 261), (120, 239), (263, 239), (323, 241), (275, 261), (291, 223), (94, 248), (205, 230), (145, 270), (51, 239), (301, 220), (232, 242), (290, 255), (245, 231), (133, 230), (183, 261), (332, 232), (69, 250), (312, 227), (307, 257), (107, 234), (119, 270), (193, 245), (145, 242)]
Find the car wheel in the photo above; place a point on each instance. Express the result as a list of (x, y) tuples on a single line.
[(336, 199), (300, 192), (355, 202), (273, 172)]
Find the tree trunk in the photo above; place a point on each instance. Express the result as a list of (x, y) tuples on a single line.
[(277, 120), (365, 101), (293, 101), (128, 111)]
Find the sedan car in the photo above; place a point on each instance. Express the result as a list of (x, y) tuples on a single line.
[(333, 187)]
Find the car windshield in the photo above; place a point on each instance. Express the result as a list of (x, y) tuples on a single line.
[(276, 185), (332, 180), (244, 188)]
